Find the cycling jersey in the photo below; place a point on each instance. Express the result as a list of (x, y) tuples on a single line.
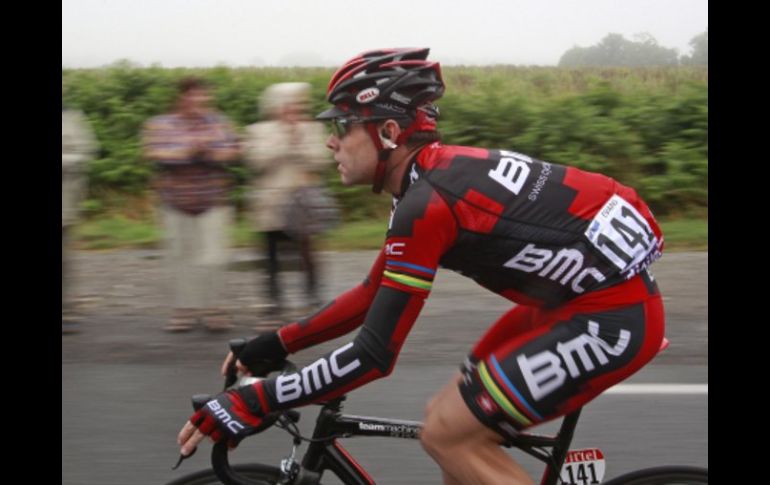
[(537, 233)]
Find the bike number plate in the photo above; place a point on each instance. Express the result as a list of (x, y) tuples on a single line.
[(583, 467)]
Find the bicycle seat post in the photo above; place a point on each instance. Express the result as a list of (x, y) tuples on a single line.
[(565, 435)]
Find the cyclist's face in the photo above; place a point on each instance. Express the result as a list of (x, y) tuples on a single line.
[(354, 153)]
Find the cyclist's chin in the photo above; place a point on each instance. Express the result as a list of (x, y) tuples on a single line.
[(348, 179)]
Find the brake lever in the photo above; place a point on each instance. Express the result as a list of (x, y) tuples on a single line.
[(183, 458), (236, 346)]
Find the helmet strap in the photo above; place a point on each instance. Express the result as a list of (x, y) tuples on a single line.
[(422, 122), (382, 156), (379, 173)]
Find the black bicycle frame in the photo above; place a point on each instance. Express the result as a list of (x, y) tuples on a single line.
[(323, 454), (326, 453)]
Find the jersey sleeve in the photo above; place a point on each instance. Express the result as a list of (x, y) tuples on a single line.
[(421, 230), (342, 315)]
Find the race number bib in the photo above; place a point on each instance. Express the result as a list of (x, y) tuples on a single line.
[(623, 235), (583, 467)]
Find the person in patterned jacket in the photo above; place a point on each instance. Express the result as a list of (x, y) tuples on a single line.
[(569, 248), (191, 149)]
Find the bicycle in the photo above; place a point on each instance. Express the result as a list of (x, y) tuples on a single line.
[(576, 467)]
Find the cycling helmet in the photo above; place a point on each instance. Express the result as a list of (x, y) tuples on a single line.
[(398, 84)]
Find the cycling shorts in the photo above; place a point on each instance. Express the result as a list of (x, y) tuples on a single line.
[(537, 364)]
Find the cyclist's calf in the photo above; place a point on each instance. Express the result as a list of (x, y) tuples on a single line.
[(437, 431), (466, 450)]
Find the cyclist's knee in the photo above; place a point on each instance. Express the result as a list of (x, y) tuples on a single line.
[(431, 405), (437, 429), (441, 431), (435, 435)]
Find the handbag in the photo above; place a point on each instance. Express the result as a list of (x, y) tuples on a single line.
[(311, 210)]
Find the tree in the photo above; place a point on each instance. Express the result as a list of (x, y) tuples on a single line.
[(700, 50), (615, 50)]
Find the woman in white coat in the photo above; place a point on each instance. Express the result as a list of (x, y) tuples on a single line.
[(286, 152)]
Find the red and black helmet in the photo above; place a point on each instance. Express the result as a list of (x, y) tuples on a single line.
[(398, 84), (385, 83)]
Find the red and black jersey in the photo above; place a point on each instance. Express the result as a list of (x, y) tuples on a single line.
[(537, 233), (534, 232)]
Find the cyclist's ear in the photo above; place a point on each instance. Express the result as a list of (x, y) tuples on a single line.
[(242, 368), (386, 136)]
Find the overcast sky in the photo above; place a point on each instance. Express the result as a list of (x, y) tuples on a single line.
[(327, 32)]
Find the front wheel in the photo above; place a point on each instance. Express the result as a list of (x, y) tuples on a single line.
[(255, 473), (664, 475)]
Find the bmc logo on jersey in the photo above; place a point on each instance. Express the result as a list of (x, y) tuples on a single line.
[(512, 171), (395, 249), (565, 267), (543, 372), (314, 376)]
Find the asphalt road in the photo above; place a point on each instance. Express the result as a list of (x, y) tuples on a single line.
[(126, 384)]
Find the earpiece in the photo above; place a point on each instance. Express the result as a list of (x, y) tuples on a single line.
[(386, 140)]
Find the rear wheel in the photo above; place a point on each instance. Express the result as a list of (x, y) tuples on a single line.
[(665, 475), (255, 473)]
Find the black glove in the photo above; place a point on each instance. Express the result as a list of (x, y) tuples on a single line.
[(263, 354), (232, 416)]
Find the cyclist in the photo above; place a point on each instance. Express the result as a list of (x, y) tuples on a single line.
[(570, 248)]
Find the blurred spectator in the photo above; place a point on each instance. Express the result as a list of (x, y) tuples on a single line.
[(78, 145), (287, 152), (192, 147)]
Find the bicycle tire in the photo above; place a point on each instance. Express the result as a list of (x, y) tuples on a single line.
[(265, 474), (664, 475)]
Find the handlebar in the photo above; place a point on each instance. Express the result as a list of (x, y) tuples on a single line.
[(236, 346), (220, 461), (221, 466), (219, 452)]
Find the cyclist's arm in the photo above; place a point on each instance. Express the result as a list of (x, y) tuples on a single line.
[(420, 234), (369, 356), (343, 315)]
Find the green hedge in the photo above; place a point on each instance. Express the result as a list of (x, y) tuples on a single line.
[(647, 127)]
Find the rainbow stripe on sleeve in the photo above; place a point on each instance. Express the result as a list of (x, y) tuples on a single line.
[(409, 274)]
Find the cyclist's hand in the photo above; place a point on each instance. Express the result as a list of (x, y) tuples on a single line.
[(226, 417), (263, 355), (238, 366)]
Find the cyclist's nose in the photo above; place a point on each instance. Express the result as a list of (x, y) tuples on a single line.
[(332, 143)]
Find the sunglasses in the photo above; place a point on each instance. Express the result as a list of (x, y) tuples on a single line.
[(341, 126)]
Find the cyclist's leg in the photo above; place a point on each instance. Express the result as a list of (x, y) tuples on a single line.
[(563, 359), (569, 358), (511, 324), (466, 450)]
